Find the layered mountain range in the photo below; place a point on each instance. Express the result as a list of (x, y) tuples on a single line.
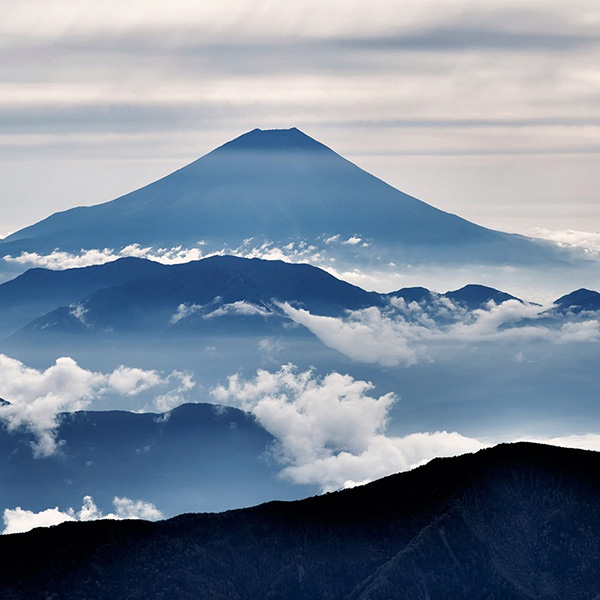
[(302, 352), (513, 522), (219, 294)]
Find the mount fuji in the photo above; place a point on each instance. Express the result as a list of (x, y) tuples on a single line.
[(281, 187)]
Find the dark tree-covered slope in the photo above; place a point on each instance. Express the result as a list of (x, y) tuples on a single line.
[(514, 522)]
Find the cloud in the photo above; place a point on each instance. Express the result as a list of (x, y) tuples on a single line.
[(241, 307), (353, 240), (131, 381), (37, 398), (172, 398), (184, 311), (587, 241), (585, 441), (403, 334), (366, 335), (270, 349), (60, 260), (461, 38), (78, 311), (330, 431), (18, 520), (294, 251), (238, 308)]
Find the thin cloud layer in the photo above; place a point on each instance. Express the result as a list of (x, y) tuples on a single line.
[(59, 260), (36, 398), (18, 520), (587, 241)]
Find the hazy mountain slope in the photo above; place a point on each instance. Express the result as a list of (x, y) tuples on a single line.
[(471, 296), (475, 296), (149, 304), (38, 291), (275, 185), (579, 300), (514, 522), (198, 455)]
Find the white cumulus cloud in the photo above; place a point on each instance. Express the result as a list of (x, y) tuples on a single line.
[(37, 397), (330, 431)]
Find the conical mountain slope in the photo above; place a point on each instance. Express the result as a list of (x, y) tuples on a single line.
[(276, 186)]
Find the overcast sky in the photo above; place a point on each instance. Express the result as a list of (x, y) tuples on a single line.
[(487, 109)]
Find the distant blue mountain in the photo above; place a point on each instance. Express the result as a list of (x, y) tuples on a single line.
[(198, 456), (38, 291), (475, 296), (281, 186), (220, 295), (579, 300), (414, 294), (471, 296), (243, 290)]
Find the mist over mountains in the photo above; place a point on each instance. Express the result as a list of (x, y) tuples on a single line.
[(174, 385), (216, 294), (196, 457)]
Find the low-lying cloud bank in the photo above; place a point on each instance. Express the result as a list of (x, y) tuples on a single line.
[(36, 398), (586, 241), (299, 251), (402, 333), (18, 520)]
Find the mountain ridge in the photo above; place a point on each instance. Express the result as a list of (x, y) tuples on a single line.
[(193, 455), (513, 522), (130, 288)]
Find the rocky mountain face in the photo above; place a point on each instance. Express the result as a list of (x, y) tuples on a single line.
[(514, 522)]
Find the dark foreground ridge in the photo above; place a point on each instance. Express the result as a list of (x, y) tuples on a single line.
[(517, 521)]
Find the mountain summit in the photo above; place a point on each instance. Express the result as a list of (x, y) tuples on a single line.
[(274, 186)]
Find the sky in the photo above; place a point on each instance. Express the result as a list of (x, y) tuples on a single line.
[(490, 110)]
